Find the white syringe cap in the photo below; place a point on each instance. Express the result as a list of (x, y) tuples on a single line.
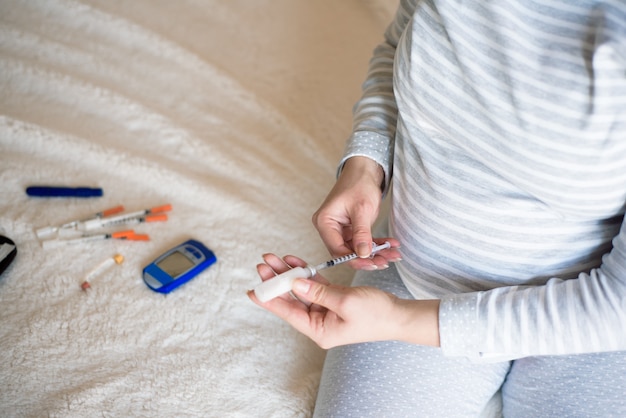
[(282, 283)]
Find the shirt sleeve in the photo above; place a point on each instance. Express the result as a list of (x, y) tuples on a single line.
[(582, 315), (375, 114)]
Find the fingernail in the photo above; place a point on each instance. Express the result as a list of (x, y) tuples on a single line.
[(363, 250), (371, 267), (302, 286)]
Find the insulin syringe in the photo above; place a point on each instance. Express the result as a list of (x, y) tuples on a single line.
[(146, 215), (282, 283)]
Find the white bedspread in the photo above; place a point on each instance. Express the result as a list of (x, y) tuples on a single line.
[(236, 113)]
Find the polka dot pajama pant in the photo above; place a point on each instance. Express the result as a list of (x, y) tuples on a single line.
[(393, 379)]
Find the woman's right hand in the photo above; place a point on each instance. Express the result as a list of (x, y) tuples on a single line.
[(334, 315), (345, 219)]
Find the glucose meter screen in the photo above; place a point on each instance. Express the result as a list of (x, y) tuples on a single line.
[(175, 264)]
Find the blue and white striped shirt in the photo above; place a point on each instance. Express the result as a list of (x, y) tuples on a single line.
[(503, 127)]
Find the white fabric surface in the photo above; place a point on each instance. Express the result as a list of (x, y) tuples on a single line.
[(235, 112)]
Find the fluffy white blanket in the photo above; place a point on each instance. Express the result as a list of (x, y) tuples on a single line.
[(236, 113)]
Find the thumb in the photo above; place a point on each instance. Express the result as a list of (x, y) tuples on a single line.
[(318, 293), (362, 241), (362, 232)]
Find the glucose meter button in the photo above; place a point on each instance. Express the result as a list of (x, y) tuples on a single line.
[(152, 281)]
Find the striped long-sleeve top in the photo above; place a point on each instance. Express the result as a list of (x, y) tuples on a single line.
[(503, 127)]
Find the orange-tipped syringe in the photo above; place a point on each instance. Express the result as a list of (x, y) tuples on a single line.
[(47, 231), (125, 235), (125, 218)]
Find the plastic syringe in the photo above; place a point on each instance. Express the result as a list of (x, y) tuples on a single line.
[(121, 235), (44, 232), (282, 283), (123, 218)]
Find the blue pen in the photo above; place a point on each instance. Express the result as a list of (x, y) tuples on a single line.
[(52, 191)]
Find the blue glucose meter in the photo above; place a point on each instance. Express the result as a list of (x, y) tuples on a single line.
[(177, 266)]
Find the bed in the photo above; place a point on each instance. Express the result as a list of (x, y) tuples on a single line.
[(233, 112)]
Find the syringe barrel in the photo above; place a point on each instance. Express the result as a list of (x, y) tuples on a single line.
[(348, 257), (342, 259)]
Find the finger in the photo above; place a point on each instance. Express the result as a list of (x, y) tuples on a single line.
[(308, 321), (265, 272), (362, 231), (392, 254), (334, 237), (347, 234), (382, 258), (375, 262), (269, 305), (295, 314), (317, 277), (392, 241), (294, 261), (320, 294), (276, 263)]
